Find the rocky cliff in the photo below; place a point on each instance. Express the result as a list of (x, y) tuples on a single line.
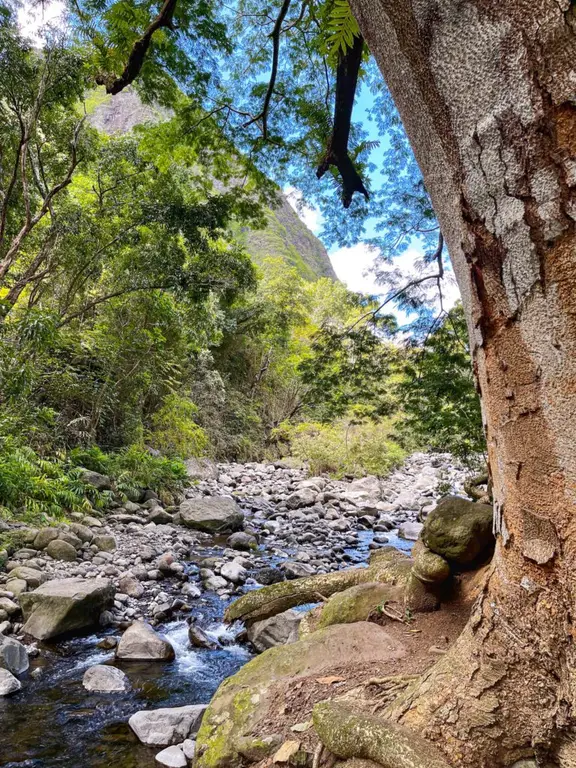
[(285, 236)]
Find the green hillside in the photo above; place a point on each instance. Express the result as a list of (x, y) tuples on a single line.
[(286, 236)]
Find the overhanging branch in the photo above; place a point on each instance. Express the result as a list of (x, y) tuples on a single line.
[(337, 153), (140, 49)]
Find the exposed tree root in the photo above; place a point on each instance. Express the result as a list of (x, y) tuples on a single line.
[(387, 566), (348, 734)]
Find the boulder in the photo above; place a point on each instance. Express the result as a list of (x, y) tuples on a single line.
[(199, 639), (102, 678), (237, 720), (8, 683), (217, 514), (269, 575), (61, 550), (131, 587), (172, 757), (410, 531), (82, 531), (31, 576), (16, 586), (13, 656), (9, 606), (459, 530), (234, 572), (44, 537), (141, 643), (277, 630), (201, 469), (96, 480), (303, 498), (65, 605), (105, 542), (242, 541), (429, 567), (159, 516), (166, 726), (357, 603)]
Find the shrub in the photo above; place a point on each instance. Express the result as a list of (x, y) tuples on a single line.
[(343, 448), (36, 488), (174, 429), (135, 467)]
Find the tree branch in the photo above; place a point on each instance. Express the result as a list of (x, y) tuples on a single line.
[(337, 152), (275, 35), (139, 50)]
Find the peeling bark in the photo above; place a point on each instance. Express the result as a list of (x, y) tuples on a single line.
[(487, 93)]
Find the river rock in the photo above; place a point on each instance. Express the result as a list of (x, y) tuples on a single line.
[(237, 718), (242, 541), (459, 530), (429, 567), (102, 678), (141, 643), (13, 656), (277, 630), (65, 605), (168, 725), (199, 639), (9, 606), (8, 683), (61, 550), (16, 586), (201, 469), (410, 531), (172, 757), (234, 572), (217, 514), (44, 537), (131, 587), (96, 480), (303, 498), (82, 531), (31, 576), (105, 542)]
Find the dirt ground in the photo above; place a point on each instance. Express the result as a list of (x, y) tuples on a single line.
[(425, 637)]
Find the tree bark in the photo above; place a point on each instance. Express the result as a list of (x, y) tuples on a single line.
[(487, 93)]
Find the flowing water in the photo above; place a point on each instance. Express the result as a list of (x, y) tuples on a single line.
[(55, 723)]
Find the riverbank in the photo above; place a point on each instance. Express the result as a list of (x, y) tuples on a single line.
[(165, 573)]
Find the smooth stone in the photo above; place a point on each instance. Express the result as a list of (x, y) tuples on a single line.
[(13, 656), (141, 643), (280, 629), (61, 550), (102, 678), (216, 514), (65, 605), (172, 757), (8, 683), (410, 531), (167, 725)]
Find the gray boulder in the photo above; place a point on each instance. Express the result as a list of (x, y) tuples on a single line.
[(459, 530), (141, 643), (61, 550), (98, 481), (201, 469), (234, 572), (410, 531), (13, 656), (131, 587), (277, 630), (33, 577), (172, 757), (102, 678), (303, 498), (166, 726), (65, 605), (44, 537), (242, 541), (82, 531), (105, 542), (216, 514), (8, 683)]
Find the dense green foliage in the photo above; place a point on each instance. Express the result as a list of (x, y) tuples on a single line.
[(437, 392), (142, 318)]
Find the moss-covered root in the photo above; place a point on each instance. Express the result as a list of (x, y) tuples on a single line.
[(389, 567), (349, 734), (268, 601)]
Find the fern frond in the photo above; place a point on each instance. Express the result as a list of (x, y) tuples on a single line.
[(342, 28)]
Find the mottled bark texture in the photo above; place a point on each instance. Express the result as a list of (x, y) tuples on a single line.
[(487, 93)]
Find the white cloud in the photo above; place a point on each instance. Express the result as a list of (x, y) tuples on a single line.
[(34, 18), (310, 216), (351, 266)]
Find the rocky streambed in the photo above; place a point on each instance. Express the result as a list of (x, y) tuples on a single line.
[(239, 527)]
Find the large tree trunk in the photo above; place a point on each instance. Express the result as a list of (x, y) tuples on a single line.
[(487, 93)]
